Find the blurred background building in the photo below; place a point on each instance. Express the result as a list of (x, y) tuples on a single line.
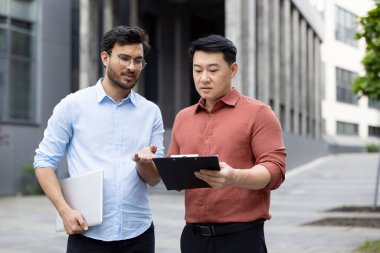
[(349, 123), (50, 48)]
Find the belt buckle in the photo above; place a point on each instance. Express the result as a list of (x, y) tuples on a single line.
[(208, 230)]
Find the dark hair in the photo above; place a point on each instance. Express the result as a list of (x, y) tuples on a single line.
[(214, 43), (124, 35)]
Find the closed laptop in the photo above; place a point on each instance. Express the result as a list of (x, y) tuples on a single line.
[(84, 193)]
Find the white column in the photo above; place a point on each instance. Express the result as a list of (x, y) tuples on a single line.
[(303, 79), (317, 89), (108, 15), (295, 70), (275, 42), (133, 13), (310, 82), (262, 51), (88, 43), (240, 29), (287, 63)]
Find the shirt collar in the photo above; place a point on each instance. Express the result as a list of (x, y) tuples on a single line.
[(101, 94), (230, 100)]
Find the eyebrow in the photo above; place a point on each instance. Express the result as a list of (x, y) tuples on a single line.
[(127, 55), (210, 65)]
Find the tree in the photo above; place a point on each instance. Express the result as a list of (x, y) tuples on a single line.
[(369, 83)]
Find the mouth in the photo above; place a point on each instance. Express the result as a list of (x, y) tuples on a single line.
[(205, 89), (128, 76)]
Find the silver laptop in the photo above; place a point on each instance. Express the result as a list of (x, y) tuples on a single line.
[(84, 193)]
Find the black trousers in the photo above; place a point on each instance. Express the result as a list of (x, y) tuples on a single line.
[(143, 243), (247, 241)]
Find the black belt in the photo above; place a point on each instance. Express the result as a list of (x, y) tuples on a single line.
[(214, 229)]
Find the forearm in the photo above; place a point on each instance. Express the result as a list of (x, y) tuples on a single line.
[(49, 183), (148, 173), (255, 178)]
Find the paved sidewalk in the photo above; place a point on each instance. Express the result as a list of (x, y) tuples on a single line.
[(309, 191), (27, 223)]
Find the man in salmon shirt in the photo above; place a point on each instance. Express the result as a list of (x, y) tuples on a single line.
[(247, 137)]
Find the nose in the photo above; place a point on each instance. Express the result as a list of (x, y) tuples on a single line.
[(131, 66), (204, 77)]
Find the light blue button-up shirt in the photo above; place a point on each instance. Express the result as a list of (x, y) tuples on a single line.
[(97, 133)]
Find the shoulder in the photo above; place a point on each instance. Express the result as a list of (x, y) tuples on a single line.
[(86, 93), (142, 102), (185, 115), (72, 100), (186, 112), (252, 102), (253, 105)]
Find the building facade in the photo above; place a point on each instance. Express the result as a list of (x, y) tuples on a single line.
[(34, 75), (279, 57), (350, 122)]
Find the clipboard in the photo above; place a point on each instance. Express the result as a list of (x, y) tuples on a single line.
[(177, 172)]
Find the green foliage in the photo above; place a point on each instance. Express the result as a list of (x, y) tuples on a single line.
[(32, 187), (372, 148), (369, 84), (369, 247)]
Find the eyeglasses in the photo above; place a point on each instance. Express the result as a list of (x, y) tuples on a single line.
[(125, 60)]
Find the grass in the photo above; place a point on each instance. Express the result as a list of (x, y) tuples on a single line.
[(369, 247)]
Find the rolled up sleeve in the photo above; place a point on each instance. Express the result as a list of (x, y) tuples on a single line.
[(268, 146), (56, 137)]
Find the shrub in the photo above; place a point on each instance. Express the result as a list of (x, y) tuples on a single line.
[(372, 148), (32, 187)]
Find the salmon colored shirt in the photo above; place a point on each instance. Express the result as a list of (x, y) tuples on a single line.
[(243, 132)]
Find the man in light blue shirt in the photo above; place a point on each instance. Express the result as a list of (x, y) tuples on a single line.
[(109, 127)]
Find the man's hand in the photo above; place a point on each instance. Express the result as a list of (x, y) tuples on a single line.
[(145, 167), (145, 155), (255, 178), (73, 222), (218, 179)]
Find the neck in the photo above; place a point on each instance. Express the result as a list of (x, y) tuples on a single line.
[(113, 91), (209, 105)]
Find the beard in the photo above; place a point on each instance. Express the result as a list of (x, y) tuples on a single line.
[(118, 81)]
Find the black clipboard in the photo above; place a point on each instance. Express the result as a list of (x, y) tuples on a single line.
[(177, 173)]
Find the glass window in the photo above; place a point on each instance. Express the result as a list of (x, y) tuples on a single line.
[(374, 131), (20, 90), (344, 81), (21, 43), (22, 9), (3, 40), (374, 104), (345, 26), (344, 128), (17, 85)]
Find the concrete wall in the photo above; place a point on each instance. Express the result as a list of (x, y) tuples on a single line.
[(53, 83), (302, 150)]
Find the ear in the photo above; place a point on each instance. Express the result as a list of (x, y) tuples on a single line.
[(233, 69), (105, 57)]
